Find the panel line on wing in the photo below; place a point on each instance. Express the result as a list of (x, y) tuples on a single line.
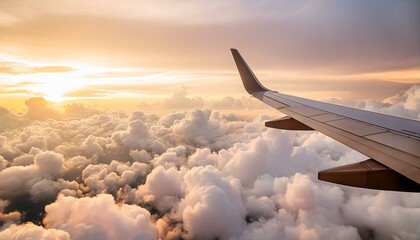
[(307, 111), (399, 124), (356, 127), (273, 102), (393, 140), (327, 117)]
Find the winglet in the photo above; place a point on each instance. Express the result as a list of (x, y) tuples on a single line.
[(251, 83)]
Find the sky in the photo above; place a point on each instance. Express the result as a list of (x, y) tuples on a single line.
[(94, 51), (128, 119)]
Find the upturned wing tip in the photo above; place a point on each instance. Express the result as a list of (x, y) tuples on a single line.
[(250, 81)]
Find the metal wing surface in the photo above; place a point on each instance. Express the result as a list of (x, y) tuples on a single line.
[(392, 143)]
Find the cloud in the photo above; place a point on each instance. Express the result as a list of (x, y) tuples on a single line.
[(41, 180), (399, 217), (9, 120), (77, 110), (179, 100), (236, 103), (409, 100), (38, 109), (203, 127), (7, 218), (22, 68), (100, 178), (137, 136), (99, 217), (3, 163), (140, 156), (50, 164), (405, 104), (31, 231), (194, 174), (211, 198), (305, 209), (162, 188)]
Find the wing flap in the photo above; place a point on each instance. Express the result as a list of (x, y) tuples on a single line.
[(369, 174), (287, 123)]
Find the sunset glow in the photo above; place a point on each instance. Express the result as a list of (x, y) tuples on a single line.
[(127, 51), (129, 120)]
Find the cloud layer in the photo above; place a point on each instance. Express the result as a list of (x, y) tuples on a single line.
[(200, 174)]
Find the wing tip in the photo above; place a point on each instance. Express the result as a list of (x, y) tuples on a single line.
[(251, 83)]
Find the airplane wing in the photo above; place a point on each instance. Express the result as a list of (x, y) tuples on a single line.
[(392, 143)]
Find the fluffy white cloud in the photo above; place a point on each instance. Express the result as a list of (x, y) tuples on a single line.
[(394, 214), (210, 198), (101, 178), (42, 179), (206, 128), (91, 146), (137, 136), (198, 128), (31, 231), (162, 188), (406, 104), (50, 164), (409, 99), (9, 120), (140, 156), (99, 217)]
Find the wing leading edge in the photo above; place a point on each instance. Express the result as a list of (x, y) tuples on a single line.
[(392, 143)]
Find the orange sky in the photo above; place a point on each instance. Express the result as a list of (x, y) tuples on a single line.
[(142, 52), (134, 109)]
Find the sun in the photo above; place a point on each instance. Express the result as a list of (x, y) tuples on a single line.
[(53, 82), (53, 92), (55, 87)]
